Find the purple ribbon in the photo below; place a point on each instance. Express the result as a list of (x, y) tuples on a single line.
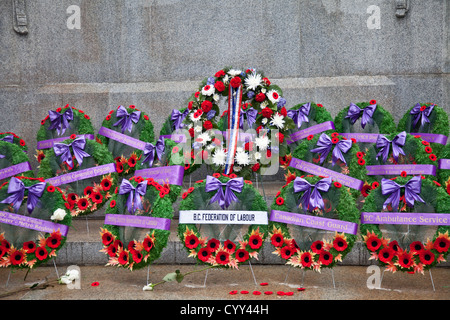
[(126, 120), (396, 169), (17, 190), (224, 199), (406, 218), (421, 115), (170, 174), (444, 164), (383, 144), (19, 220), (300, 115), (392, 189), (9, 139), (367, 113), (251, 117), (324, 147), (63, 150), (177, 118), (311, 199), (151, 150), (47, 144), (82, 174), (318, 128), (14, 170), (432, 137), (137, 221), (134, 200), (59, 121)]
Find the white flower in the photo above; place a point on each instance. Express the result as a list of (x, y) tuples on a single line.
[(148, 287), (264, 104), (58, 215), (225, 79), (208, 90), (253, 81), (257, 155), (277, 120), (234, 72), (216, 97), (205, 138), (69, 277), (219, 157), (263, 90), (262, 142), (237, 168), (273, 96), (242, 158), (264, 121), (194, 116)]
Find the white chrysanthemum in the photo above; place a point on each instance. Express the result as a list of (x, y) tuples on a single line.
[(216, 97), (277, 120), (253, 81), (262, 142), (208, 90), (193, 117), (210, 146), (234, 72), (257, 155), (219, 157), (273, 96), (225, 79), (237, 168), (198, 129), (264, 121), (205, 138), (242, 158)]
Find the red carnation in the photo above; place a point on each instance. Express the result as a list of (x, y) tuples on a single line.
[(260, 97), (206, 106), (266, 112), (219, 74), (219, 86), (235, 82), (207, 125)]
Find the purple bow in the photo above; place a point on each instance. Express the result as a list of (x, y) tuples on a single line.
[(412, 191), (126, 120), (367, 113), (150, 150), (177, 118), (9, 139), (59, 121), (421, 115), (312, 199), (324, 145), (63, 150), (224, 199), (383, 144), (134, 199), (300, 115), (251, 117), (17, 190)]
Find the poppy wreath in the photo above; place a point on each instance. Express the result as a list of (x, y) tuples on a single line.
[(333, 153), (31, 201), (13, 161), (257, 105), (59, 125), (300, 209), (13, 138), (398, 154), (309, 119), (428, 120), (363, 121), (443, 174), (139, 198), (84, 169), (385, 231), (126, 132), (221, 249)]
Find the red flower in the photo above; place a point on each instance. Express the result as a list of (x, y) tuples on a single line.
[(306, 259), (266, 112), (22, 142), (204, 254), (361, 161), (191, 241), (426, 257), (86, 116), (432, 157), (96, 197), (107, 238), (132, 160), (213, 245), (112, 204), (416, 246), (242, 255), (106, 184), (266, 81), (405, 259), (207, 125), (146, 117), (428, 149), (51, 189), (334, 135), (54, 241), (216, 175), (17, 257), (255, 167), (317, 246), (119, 167), (335, 140), (137, 256), (277, 239), (222, 257), (375, 185), (365, 190), (337, 184), (360, 154), (229, 246), (219, 86), (373, 243), (255, 241), (394, 246), (325, 257), (148, 244), (340, 244), (286, 252), (373, 101), (41, 253), (184, 195), (219, 74), (83, 203), (403, 174), (280, 137), (280, 201), (123, 257), (235, 82), (386, 254), (29, 246), (310, 137), (206, 106), (425, 143), (88, 190), (260, 97), (441, 244), (72, 197), (422, 108), (95, 284)]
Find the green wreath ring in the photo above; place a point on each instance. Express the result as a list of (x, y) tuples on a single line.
[(14, 139), (127, 156), (93, 181), (221, 249), (21, 247), (301, 245), (435, 131), (444, 168), (136, 247), (403, 249), (13, 162)]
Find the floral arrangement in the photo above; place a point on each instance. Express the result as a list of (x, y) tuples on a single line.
[(12, 156), (11, 137), (443, 174)]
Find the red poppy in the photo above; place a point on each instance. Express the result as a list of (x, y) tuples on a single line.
[(123, 257), (83, 203), (132, 160), (256, 293), (97, 197), (137, 256), (310, 137), (88, 190), (17, 257), (334, 135), (41, 253), (317, 246), (51, 189), (277, 239), (106, 184), (426, 257), (191, 241), (216, 175), (222, 257), (95, 284), (204, 254), (416, 246), (361, 161), (335, 140), (394, 245), (375, 185), (428, 150), (403, 174), (112, 249), (86, 116), (72, 197), (373, 101), (360, 154), (184, 195), (108, 117), (373, 243), (213, 245), (54, 241), (337, 184), (425, 143), (242, 255), (112, 204), (3, 251), (365, 190), (286, 252), (229, 246), (29, 246), (233, 292), (441, 244), (340, 244), (107, 238), (432, 157), (22, 142), (280, 201), (325, 257), (306, 259), (386, 254), (255, 241), (405, 259), (119, 167)]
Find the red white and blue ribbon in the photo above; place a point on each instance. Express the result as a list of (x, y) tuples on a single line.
[(234, 110)]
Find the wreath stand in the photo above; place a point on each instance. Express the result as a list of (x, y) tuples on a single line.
[(303, 277), (429, 270), (10, 271)]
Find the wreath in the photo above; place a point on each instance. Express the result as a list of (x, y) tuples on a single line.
[(13, 138), (32, 230), (363, 122), (398, 154), (232, 244), (429, 121), (331, 155), (86, 171), (13, 161), (59, 125), (139, 209), (129, 135), (401, 206), (444, 168), (305, 212)]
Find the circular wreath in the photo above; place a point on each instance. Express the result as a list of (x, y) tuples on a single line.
[(301, 246), (26, 248), (12, 154), (13, 138), (222, 251), (310, 150), (443, 174), (84, 196), (120, 243), (78, 122), (365, 117), (405, 248), (426, 118), (258, 96), (127, 157)]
